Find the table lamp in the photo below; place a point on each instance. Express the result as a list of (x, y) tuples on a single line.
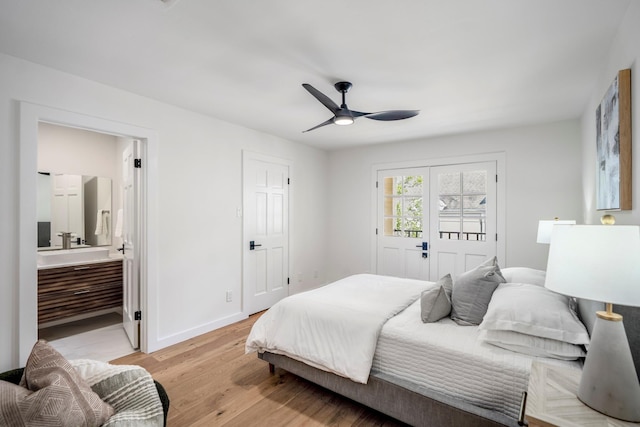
[(602, 263), (546, 225)]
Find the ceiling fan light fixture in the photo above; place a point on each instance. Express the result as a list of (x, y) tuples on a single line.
[(343, 119)]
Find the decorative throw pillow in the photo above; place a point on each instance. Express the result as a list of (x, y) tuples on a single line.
[(129, 389), (51, 393), (534, 310), (532, 345), (524, 275), (435, 303), (472, 292)]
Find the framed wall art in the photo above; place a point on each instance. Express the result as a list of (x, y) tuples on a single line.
[(613, 144)]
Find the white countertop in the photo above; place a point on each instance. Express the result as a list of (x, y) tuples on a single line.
[(112, 257)]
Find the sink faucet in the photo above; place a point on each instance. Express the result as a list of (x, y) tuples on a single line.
[(66, 239)]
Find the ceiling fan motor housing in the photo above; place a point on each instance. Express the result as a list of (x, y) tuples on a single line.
[(342, 87)]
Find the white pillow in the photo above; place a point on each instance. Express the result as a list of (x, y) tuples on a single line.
[(532, 346), (524, 275), (533, 310)]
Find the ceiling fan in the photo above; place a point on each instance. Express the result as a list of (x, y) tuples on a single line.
[(342, 115)]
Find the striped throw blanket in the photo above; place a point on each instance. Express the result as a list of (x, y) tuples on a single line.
[(129, 389)]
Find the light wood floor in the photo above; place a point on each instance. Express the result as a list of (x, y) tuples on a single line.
[(211, 382)]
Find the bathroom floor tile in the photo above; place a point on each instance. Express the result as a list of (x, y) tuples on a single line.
[(79, 326), (103, 343)]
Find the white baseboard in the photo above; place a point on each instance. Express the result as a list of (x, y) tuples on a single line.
[(194, 332)]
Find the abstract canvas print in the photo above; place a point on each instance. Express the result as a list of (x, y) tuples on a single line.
[(613, 144)]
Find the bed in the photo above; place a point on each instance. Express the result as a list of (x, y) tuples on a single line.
[(366, 337)]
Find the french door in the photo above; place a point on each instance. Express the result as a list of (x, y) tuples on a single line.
[(403, 223), (436, 220)]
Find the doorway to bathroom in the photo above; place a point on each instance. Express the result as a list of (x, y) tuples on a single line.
[(87, 188), (32, 117)]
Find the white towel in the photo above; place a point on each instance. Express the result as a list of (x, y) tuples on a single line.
[(98, 223), (105, 222), (118, 232), (102, 223)]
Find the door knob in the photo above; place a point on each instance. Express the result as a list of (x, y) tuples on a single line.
[(424, 246), (252, 245)]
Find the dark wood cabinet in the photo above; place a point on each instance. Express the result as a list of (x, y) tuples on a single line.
[(78, 289)]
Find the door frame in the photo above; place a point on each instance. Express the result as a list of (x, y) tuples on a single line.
[(253, 155), (498, 157), (27, 291)]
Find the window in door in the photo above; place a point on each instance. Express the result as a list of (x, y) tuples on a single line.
[(462, 198), (403, 206)]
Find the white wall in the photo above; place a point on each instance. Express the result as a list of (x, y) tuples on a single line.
[(199, 168), (542, 182), (624, 53)]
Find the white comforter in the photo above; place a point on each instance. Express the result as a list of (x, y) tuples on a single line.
[(336, 327)]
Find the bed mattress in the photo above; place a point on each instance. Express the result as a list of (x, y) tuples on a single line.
[(450, 359)]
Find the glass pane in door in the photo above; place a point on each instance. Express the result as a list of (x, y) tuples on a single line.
[(462, 199), (473, 225), (402, 205)]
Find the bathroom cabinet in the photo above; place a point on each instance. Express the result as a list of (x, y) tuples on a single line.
[(78, 289)]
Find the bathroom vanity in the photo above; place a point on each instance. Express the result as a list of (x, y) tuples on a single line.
[(77, 275), (80, 288)]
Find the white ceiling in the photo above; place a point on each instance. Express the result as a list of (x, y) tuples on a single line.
[(466, 64)]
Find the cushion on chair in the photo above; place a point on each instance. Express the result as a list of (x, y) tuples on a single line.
[(129, 389), (50, 393), (139, 405)]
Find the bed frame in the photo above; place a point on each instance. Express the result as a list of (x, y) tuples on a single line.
[(419, 406)]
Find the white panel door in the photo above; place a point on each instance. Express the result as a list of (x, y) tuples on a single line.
[(59, 209), (75, 206), (129, 233), (266, 231), (67, 211), (402, 218), (463, 218)]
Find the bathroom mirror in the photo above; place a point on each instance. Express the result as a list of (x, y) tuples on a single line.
[(79, 204)]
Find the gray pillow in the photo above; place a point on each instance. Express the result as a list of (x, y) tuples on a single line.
[(435, 303), (472, 292)]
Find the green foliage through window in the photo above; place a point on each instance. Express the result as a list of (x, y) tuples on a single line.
[(409, 212)]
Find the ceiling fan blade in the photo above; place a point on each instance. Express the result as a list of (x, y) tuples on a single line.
[(328, 122), (359, 113), (392, 115), (324, 99)]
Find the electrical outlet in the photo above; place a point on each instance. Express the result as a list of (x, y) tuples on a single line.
[(229, 296), (315, 274)]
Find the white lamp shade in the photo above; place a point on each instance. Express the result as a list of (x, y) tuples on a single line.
[(545, 227), (596, 262)]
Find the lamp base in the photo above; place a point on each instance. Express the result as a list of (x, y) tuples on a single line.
[(609, 382)]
